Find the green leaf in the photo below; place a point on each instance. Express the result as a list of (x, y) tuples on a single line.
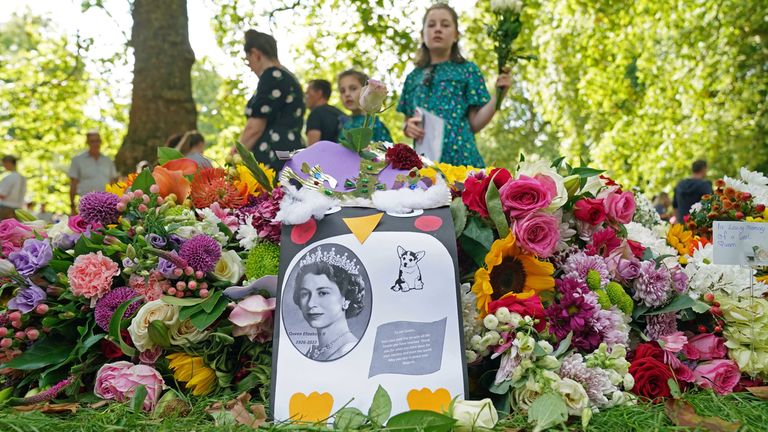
[(674, 389), (211, 301), (115, 325), (427, 421), (43, 353), (250, 162), (357, 139), (677, 304), (547, 411), (493, 202), (202, 319), (476, 240), (585, 172), (143, 181), (60, 266), (381, 407), (564, 345), (158, 333), (187, 311), (187, 301), (459, 215), (165, 154), (501, 388), (699, 306), (137, 401), (348, 419), (557, 162)]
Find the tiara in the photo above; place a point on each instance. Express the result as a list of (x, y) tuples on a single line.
[(330, 257)]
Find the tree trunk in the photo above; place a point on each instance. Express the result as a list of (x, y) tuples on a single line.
[(162, 103)]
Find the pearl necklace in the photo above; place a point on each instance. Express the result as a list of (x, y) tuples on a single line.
[(328, 346)]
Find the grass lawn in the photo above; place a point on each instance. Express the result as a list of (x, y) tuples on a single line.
[(742, 407)]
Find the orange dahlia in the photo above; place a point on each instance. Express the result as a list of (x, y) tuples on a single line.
[(212, 185)]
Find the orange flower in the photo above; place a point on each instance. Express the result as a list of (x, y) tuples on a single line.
[(186, 166), (171, 182), (211, 185)]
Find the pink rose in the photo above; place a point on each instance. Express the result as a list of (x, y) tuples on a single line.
[(589, 210), (252, 317), (372, 96), (673, 342), (719, 375), (14, 232), (705, 346), (524, 196), (118, 381), (538, 233), (620, 207), (91, 275)]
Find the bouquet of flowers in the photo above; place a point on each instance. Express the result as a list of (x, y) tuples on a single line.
[(504, 32)]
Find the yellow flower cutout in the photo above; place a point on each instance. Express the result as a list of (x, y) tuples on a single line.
[(510, 272), (248, 182), (679, 238), (200, 378)]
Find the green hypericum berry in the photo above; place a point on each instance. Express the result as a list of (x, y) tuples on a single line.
[(593, 280), (602, 298)]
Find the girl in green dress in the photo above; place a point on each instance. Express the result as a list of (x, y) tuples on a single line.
[(350, 82), (450, 87)]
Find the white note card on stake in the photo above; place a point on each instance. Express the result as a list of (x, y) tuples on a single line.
[(431, 145), (740, 243)]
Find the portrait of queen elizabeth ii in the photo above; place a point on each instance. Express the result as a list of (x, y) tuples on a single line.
[(331, 291)]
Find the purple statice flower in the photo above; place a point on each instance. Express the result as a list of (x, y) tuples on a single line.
[(612, 326), (679, 280), (99, 207), (660, 325), (201, 252), (578, 265), (156, 240), (574, 312), (263, 211), (166, 267), (595, 381), (107, 305), (627, 269), (27, 299), (653, 285), (175, 241), (34, 255)]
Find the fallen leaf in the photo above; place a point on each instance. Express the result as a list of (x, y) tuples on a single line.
[(684, 414), (50, 408), (238, 411), (761, 392), (99, 404)]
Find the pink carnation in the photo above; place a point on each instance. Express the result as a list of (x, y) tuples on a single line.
[(524, 196), (719, 375), (252, 317), (91, 275), (538, 233), (620, 207), (119, 381), (151, 288)]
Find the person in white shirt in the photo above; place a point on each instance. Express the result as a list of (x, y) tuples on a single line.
[(90, 170), (13, 187)]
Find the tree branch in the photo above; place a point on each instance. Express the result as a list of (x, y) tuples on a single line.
[(272, 13)]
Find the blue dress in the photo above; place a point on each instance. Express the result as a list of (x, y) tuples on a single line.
[(448, 90), (380, 132)]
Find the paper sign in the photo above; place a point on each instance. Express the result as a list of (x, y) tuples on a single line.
[(431, 145), (740, 243)]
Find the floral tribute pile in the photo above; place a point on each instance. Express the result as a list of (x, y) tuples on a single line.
[(576, 297)]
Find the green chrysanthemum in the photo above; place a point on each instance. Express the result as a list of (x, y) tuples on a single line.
[(593, 280), (619, 297), (263, 260), (603, 299)]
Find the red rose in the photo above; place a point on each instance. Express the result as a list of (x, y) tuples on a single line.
[(590, 210), (403, 157), (651, 378), (648, 349), (110, 350), (476, 186), (636, 248), (530, 306)]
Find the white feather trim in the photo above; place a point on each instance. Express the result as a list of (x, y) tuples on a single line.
[(405, 200), (297, 206)]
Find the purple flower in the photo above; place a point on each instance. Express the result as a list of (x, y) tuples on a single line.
[(578, 265), (107, 305), (166, 268), (27, 299), (660, 325), (679, 281), (652, 286), (574, 311), (628, 269), (128, 263), (34, 255), (595, 381), (65, 241), (612, 326), (156, 240), (99, 207), (176, 241), (201, 252), (263, 211)]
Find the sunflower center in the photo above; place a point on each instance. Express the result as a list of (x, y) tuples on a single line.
[(507, 277)]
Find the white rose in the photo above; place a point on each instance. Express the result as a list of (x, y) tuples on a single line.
[(184, 334), (474, 415), (573, 394), (230, 267), (187, 232), (542, 167), (523, 397), (156, 310)]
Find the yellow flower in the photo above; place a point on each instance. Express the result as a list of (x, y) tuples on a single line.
[(453, 173), (117, 188), (510, 272), (200, 378), (248, 182), (763, 278), (679, 238)]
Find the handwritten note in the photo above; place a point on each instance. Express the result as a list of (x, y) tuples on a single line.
[(740, 243)]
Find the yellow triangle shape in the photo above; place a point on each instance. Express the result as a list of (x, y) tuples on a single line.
[(363, 226)]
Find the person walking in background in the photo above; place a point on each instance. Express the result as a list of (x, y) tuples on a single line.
[(689, 191), (13, 187), (450, 87), (661, 203), (90, 171), (276, 111), (323, 122), (192, 146), (350, 82)]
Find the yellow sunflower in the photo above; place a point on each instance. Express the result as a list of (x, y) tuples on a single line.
[(510, 272), (118, 188), (247, 181), (200, 378), (679, 238)]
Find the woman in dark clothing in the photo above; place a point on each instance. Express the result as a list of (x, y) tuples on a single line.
[(276, 111)]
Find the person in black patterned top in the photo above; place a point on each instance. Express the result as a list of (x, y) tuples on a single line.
[(276, 111)]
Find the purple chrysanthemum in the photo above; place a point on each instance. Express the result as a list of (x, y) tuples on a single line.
[(579, 265), (611, 326), (262, 212), (107, 305), (574, 311), (595, 381), (99, 207), (201, 252), (660, 325), (653, 285), (679, 281)]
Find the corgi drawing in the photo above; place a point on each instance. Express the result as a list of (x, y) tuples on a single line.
[(410, 275)]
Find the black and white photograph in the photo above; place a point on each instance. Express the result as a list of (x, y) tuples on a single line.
[(327, 303)]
